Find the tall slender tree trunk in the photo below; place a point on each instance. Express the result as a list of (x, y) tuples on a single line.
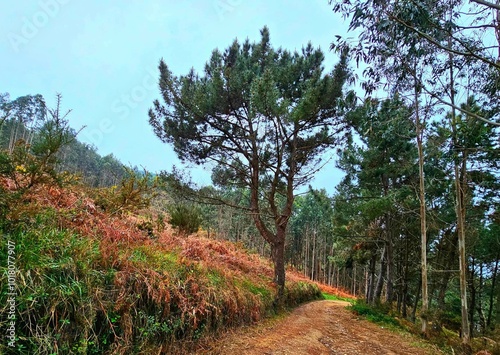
[(423, 224), (370, 291), (278, 257), (405, 280), (390, 269), (479, 308), (404, 300), (497, 318), (313, 255), (14, 133), (354, 280), (366, 283), (306, 252), (325, 261), (380, 281), (330, 271), (460, 212)]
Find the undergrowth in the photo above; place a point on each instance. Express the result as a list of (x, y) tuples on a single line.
[(438, 336), (92, 283), (374, 314)]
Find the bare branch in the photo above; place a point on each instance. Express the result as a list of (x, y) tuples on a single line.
[(486, 3)]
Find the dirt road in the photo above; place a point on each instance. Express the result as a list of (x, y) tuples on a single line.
[(322, 327)]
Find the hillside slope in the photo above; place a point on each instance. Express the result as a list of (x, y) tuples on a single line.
[(92, 282)]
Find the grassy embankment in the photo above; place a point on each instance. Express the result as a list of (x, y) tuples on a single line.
[(89, 282)]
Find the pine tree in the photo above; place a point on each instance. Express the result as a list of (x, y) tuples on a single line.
[(264, 116)]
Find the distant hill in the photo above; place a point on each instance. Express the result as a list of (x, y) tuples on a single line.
[(22, 120)]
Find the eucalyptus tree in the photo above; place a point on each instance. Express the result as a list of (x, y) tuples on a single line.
[(472, 151), (4, 107), (264, 117), (398, 60), (441, 47)]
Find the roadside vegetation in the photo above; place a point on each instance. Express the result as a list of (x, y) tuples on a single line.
[(91, 282), (100, 270), (447, 340)]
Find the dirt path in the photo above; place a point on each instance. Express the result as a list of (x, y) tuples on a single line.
[(323, 327)]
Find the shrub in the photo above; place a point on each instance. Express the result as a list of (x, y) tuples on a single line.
[(55, 285), (134, 192), (186, 218)]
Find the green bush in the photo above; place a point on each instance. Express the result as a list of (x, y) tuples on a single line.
[(186, 218), (134, 192)]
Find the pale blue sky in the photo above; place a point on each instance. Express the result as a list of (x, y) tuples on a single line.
[(102, 57)]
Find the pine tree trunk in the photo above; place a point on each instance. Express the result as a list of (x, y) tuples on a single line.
[(278, 257), (330, 271), (390, 267), (497, 318), (479, 308), (306, 252), (405, 280), (404, 300), (366, 283), (325, 260), (313, 256), (417, 298), (354, 279), (370, 292)]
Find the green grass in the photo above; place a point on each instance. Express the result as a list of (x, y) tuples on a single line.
[(257, 290), (331, 297), (215, 278), (374, 314), (156, 259)]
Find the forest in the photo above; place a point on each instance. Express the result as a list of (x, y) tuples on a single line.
[(412, 230)]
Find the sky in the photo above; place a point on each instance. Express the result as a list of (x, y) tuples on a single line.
[(102, 56)]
